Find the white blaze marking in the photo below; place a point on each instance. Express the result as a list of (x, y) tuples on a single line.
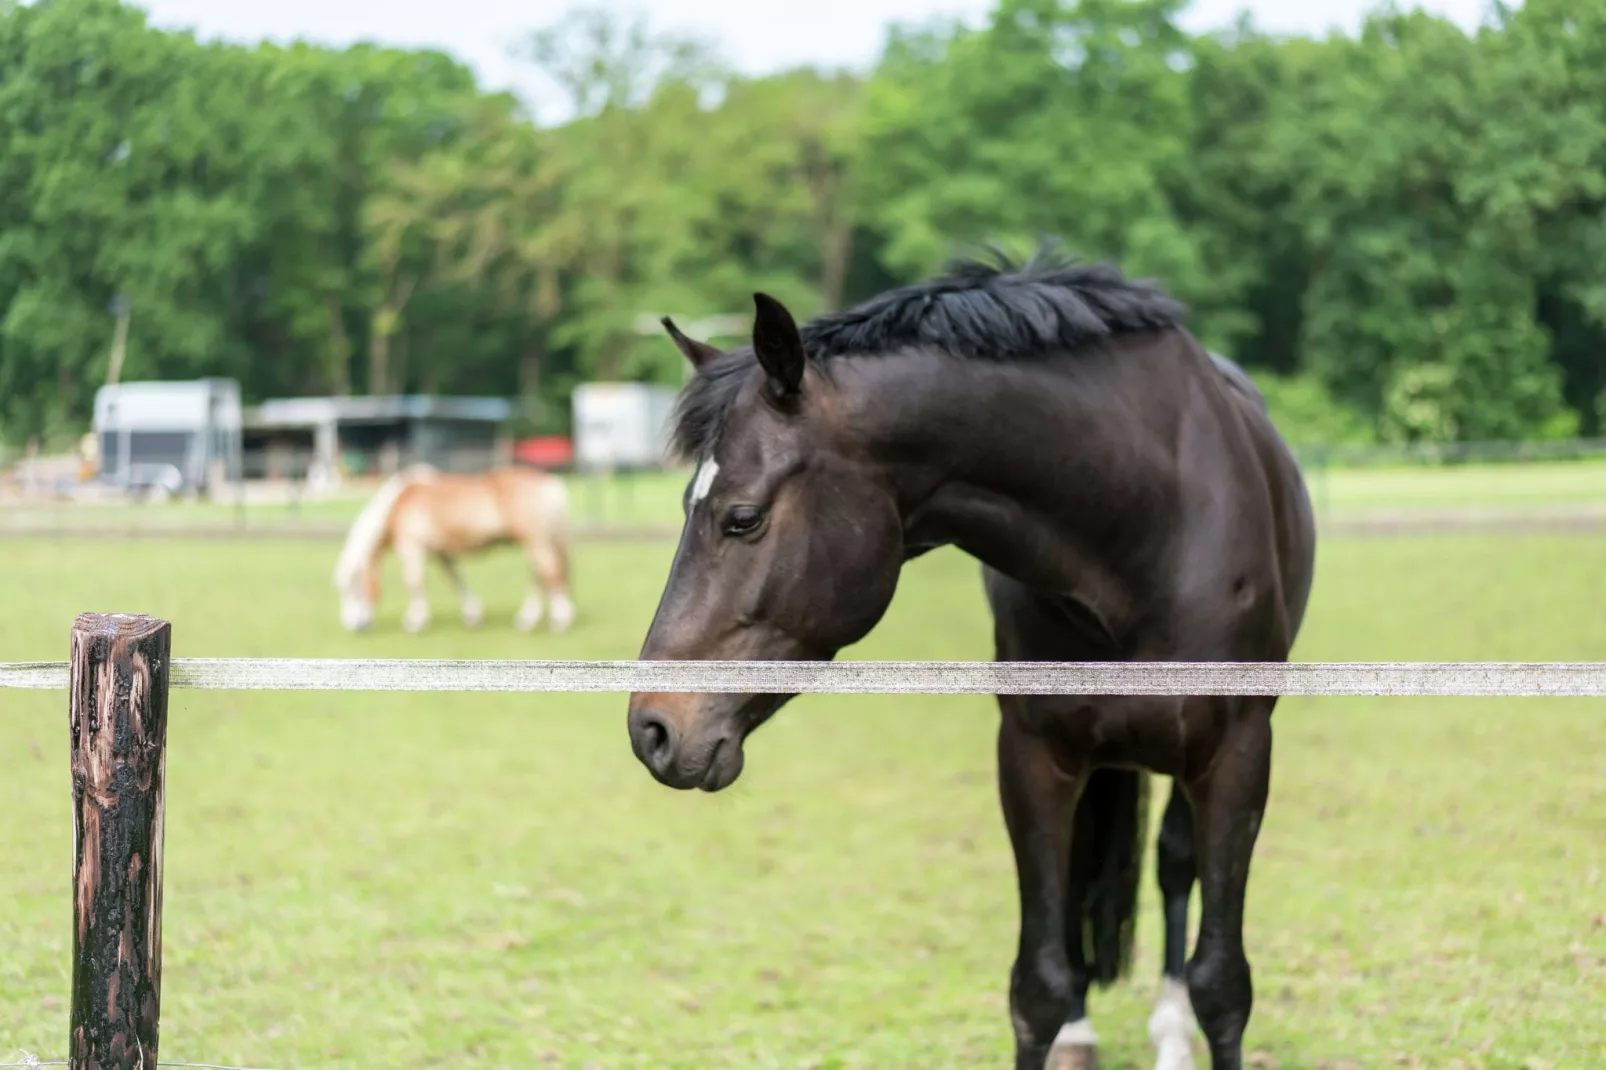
[(704, 481), (1077, 1034), (1171, 1027)]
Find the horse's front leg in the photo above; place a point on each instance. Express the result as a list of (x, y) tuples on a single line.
[(413, 558), (1228, 802), (472, 609), (1048, 984)]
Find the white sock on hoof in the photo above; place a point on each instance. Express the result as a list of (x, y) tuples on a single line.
[(1172, 1026), (355, 615), (562, 612), (529, 614), (1077, 1034), (416, 619), (473, 611)]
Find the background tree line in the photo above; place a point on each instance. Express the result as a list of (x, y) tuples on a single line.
[(1402, 233)]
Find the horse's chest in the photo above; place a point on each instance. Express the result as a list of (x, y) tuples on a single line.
[(1169, 735)]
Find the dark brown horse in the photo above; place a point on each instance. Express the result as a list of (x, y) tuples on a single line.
[(1128, 498)]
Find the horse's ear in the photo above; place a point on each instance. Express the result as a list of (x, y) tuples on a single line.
[(778, 345), (699, 353)]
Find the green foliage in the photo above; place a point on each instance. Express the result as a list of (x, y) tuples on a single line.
[(1307, 414), (1408, 226)]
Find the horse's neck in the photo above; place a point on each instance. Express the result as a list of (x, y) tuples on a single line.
[(1050, 475)]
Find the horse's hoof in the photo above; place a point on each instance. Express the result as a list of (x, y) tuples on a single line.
[(529, 614), (1072, 1057), (473, 614), (562, 614)]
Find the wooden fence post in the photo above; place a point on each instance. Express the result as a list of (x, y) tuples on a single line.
[(118, 712)]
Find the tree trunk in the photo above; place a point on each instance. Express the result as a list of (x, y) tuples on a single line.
[(67, 391), (338, 371), (836, 252), (398, 374), (383, 326), (531, 365), (378, 360)]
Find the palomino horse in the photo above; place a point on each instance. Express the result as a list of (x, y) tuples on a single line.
[(419, 512), (1128, 498)]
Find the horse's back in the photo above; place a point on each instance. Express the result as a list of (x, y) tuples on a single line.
[(536, 502), (458, 512)]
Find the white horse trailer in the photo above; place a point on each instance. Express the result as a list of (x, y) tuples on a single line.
[(176, 436), (621, 425)]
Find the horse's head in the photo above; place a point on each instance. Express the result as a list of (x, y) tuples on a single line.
[(359, 594), (791, 549), (357, 575)]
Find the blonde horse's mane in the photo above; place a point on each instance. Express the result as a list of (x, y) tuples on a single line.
[(368, 530)]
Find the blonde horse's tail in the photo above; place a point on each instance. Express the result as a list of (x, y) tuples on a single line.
[(368, 530)]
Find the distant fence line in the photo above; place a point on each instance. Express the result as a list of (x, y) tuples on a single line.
[(121, 670), (1582, 518), (1428, 453), (312, 531)]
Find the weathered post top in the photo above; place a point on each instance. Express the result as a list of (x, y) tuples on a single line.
[(117, 710)]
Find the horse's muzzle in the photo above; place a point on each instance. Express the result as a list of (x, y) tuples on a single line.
[(708, 760)]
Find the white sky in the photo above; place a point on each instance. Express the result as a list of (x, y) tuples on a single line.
[(757, 36)]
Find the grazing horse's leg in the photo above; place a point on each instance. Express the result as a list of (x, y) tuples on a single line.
[(1048, 984), (1228, 802), (530, 611), (413, 559), (1171, 1025), (547, 573), (472, 609)]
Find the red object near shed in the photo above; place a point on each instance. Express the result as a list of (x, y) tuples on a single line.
[(544, 451)]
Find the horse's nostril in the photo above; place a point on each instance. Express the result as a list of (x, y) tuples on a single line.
[(655, 740)]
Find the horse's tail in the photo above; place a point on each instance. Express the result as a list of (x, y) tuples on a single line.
[(367, 532), (1112, 822)]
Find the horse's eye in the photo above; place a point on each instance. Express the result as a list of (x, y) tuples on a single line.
[(743, 520)]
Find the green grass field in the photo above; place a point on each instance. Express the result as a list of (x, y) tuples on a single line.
[(1415, 487), (484, 881)]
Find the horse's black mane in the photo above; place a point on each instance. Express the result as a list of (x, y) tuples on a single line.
[(978, 309)]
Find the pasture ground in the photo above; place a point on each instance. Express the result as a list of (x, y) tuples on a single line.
[(488, 881)]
